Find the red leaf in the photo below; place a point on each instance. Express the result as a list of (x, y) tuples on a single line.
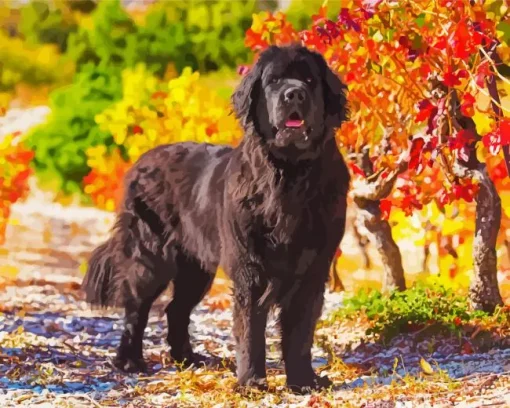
[(483, 73), (415, 154), (462, 138), (498, 137), (451, 78), (385, 207), (441, 43), (426, 109), (464, 40), (457, 321), (344, 17), (356, 170), (137, 130), (467, 106)]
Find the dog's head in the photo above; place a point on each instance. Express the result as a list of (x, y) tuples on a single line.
[(291, 99)]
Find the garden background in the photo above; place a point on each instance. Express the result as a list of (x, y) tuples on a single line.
[(88, 86)]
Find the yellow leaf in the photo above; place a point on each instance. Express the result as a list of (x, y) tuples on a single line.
[(426, 367)]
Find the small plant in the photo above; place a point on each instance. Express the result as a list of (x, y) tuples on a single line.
[(418, 308)]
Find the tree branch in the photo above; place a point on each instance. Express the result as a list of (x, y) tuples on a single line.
[(376, 186), (492, 87)]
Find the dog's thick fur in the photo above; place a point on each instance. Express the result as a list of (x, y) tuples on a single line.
[(271, 212)]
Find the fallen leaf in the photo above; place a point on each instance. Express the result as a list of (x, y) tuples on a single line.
[(426, 367)]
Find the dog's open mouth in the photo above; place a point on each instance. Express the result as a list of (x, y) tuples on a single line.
[(294, 121)]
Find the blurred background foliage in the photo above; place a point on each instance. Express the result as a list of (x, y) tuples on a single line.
[(72, 55), (123, 76)]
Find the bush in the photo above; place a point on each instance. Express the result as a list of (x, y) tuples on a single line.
[(107, 41), (60, 143), (14, 173), (203, 35), (116, 41), (33, 66), (112, 43), (152, 113), (43, 23), (216, 31), (420, 307)]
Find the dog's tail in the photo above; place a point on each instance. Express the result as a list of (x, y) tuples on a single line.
[(102, 281), (98, 280)]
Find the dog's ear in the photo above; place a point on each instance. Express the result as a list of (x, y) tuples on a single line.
[(244, 96), (335, 101)]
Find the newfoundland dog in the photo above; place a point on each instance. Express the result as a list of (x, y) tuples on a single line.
[(271, 212)]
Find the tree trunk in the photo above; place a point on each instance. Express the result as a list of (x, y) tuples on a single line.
[(370, 222), (484, 291), (362, 244)]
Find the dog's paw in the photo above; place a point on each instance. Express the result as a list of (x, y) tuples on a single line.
[(130, 365), (190, 360), (316, 384), (254, 384)]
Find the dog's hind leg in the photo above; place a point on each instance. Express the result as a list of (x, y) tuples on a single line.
[(190, 286), (150, 277)]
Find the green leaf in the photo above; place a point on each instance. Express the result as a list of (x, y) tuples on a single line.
[(503, 29), (420, 20)]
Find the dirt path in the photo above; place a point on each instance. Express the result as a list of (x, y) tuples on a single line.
[(55, 351)]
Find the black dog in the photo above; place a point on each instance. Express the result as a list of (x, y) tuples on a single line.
[(271, 212)]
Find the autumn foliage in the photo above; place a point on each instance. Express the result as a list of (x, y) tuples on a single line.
[(424, 122), (386, 53), (152, 113), (14, 173)]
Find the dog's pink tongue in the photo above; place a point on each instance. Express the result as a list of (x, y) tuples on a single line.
[(292, 123)]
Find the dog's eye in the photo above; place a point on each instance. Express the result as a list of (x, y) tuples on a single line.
[(309, 80), (274, 80)]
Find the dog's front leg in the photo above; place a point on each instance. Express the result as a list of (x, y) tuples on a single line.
[(249, 329), (299, 316)]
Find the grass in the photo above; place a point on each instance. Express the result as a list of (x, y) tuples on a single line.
[(421, 308)]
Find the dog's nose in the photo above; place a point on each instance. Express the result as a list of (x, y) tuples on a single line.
[(294, 95)]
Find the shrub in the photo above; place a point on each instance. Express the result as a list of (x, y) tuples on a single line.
[(110, 44), (106, 41), (43, 23), (417, 308), (61, 142), (216, 30), (153, 113), (204, 35), (33, 66), (14, 173), (116, 41)]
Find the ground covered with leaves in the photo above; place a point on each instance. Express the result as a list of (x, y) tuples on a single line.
[(56, 351)]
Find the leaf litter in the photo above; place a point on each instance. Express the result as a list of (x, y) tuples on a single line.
[(56, 351)]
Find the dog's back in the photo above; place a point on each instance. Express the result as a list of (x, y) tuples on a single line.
[(171, 198)]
